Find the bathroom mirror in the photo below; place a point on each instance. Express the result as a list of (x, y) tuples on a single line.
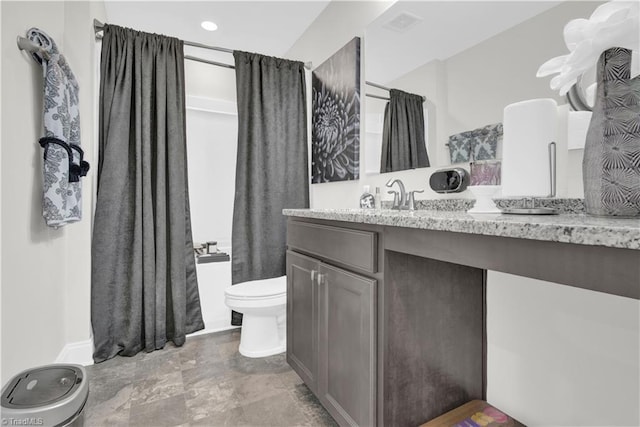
[(470, 59)]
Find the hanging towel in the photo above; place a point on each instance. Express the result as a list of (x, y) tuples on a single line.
[(476, 144), (460, 147), (63, 158)]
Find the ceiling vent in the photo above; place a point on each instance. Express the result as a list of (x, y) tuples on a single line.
[(402, 22)]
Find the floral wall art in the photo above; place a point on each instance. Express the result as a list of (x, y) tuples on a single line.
[(336, 116)]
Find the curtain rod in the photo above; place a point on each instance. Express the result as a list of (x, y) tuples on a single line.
[(370, 95), (99, 26), (377, 85), (206, 61), (424, 98)]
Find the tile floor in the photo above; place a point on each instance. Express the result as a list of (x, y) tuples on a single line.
[(206, 382)]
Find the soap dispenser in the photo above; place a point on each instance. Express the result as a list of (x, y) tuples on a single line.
[(367, 201)]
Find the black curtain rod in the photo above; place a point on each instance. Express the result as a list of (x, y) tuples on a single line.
[(99, 26)]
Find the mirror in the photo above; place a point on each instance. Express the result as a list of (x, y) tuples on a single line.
[(397, 133), (470, 59)]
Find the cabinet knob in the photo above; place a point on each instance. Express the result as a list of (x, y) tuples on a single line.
[(314, 273), (321, 279)]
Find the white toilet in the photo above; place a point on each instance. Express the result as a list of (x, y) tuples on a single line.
[(263, 304)]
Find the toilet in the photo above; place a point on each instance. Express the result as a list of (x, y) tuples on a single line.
[(263, 305)]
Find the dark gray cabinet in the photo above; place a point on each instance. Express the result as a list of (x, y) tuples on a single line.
[(331, 336), (382, 337), (302, 317), (347, 380)]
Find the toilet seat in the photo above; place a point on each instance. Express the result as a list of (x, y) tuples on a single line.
[(258, 289)]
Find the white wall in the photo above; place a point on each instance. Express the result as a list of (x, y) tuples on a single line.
[(212, 134), (45, 272), (338, 23), (209, 81), (212, 138), (562, 356)]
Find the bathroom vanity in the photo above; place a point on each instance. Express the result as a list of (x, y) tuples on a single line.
[(386, 312)]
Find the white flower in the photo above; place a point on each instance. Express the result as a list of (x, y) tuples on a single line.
[(613, 24)]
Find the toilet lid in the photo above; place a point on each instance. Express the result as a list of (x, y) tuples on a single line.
[(259, 288)]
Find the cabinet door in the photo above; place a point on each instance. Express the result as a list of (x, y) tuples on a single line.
[(347, 365), (302, 317)]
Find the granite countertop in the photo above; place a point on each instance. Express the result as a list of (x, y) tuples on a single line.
[(567, 228)]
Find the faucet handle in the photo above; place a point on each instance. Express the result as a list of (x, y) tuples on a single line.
[(412, 199), (396, 199)]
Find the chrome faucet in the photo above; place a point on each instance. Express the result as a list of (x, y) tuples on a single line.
[(399, 203)]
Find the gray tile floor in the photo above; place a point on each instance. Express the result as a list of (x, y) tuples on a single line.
[(206, 382)]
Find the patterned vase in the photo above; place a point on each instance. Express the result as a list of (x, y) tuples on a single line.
[(611, 166)]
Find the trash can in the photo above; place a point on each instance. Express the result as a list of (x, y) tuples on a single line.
[(51, 395)]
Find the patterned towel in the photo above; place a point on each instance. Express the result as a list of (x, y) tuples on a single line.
[(477, 144), (485, 143), (460, 147), (486, 172), (63, 157)]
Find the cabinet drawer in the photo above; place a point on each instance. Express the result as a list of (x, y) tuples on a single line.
[(353, 248)]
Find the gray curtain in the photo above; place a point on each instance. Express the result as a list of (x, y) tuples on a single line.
[(271, 171), (144, 290), (403, 143)]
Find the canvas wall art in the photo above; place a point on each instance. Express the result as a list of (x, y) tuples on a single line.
[(335, 134)]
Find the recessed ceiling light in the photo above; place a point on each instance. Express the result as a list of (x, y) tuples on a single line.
[(209, 26)]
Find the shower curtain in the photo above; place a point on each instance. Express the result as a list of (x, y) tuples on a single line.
[(271, 171), (403, 143), (144, 290)]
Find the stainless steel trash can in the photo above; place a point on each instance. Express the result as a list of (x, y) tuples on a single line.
[(51, 395)]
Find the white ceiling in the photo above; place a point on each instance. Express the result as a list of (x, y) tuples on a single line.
[(446, 28), (267, 27), (272, 27)]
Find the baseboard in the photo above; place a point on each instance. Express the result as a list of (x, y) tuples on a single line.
[(211, 331), (79, 353), (216, 324)]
